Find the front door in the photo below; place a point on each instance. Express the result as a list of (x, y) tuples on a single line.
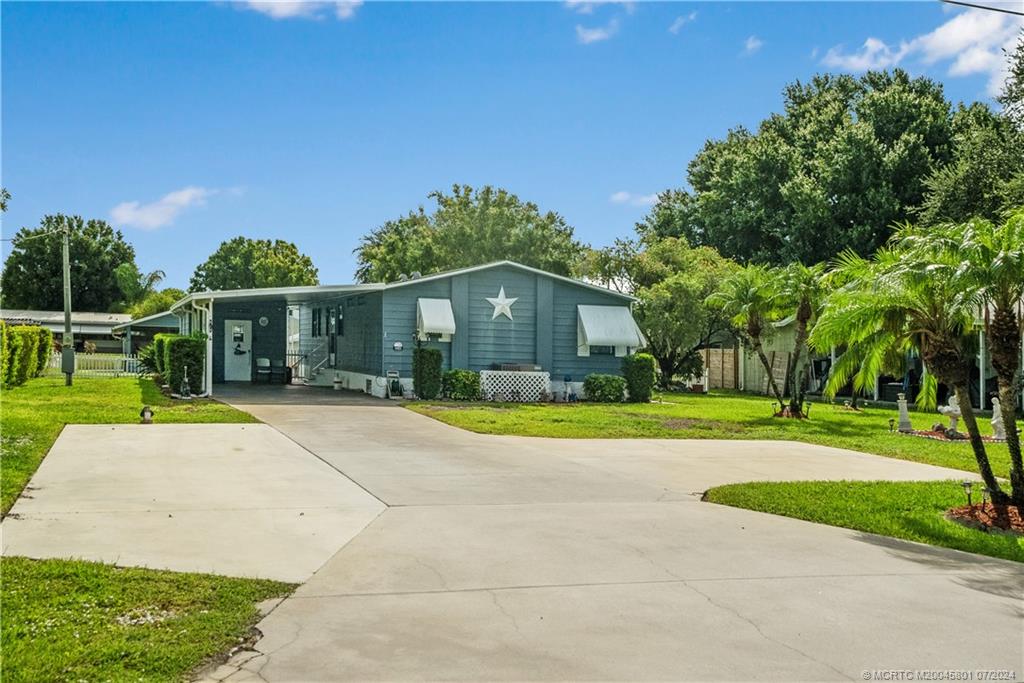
[(237, 350)]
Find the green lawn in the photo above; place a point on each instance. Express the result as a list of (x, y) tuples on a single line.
[(907, 510), (83, 621), (32, 415), (716, 416), (69, 620)]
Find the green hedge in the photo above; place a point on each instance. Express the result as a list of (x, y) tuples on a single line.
[(461, 385), (426, 372), (44, 349), (160, 351), (641, 376), (5, 346), (22, 360), (181, 351), (604, 388)]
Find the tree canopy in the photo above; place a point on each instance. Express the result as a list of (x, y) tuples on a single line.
[(986, 173), (243, 263), (156, 302), (1012, 97), (468, 227), (33, 272), (845, 160)]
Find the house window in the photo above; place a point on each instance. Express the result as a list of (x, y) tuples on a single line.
[(602, 350), (341, 323), (317, 322)]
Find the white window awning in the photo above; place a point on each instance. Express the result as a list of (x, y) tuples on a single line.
[(608, 326), (435, 316)]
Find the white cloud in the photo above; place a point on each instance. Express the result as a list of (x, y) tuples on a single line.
[(752, 44), (972, 41), (301, 9), (594, 35), (163, 211), (681, 21), (623, 197), (588, 6)]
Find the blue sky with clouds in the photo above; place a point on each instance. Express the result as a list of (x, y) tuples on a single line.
[(186, 124)]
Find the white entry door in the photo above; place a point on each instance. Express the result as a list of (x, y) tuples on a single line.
[(237, 350)]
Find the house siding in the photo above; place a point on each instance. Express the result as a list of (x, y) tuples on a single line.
[(399, 324), (564, 360), (267, 342)]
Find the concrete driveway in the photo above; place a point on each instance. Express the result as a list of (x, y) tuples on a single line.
[(241, 500), (538, 559)]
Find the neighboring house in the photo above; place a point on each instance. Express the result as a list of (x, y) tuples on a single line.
[(86, 326), (498, 316), (134, 334)]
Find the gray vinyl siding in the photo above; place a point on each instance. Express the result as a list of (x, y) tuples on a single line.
[(267, 342), (399, 324), (564, 325), (502, 340)]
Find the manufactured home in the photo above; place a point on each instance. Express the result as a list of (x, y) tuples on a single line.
[(529, 331)]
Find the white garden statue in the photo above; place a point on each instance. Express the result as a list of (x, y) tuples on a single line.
[(998, 428), (952, 411), (904, 425)]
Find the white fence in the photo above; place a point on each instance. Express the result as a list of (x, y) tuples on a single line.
[(100, 364), (508, 385)]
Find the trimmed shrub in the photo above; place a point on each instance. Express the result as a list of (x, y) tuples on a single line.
[(461, 385), (641, 376), (24, 341), (181, 352), (44, 349), (5, 353), (160, 351), (604, 388), (426, 372)]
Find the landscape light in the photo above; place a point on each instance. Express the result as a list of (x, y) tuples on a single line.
[(147, 415), (967, 489), (892, 423)]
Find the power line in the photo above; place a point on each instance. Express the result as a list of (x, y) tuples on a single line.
[(985, 7), (32, 237)]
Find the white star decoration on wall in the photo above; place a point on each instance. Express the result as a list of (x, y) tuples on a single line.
[(502, 304)]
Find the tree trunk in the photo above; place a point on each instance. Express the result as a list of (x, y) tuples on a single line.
[(667, 367), (796, 374), (756, 341), (1004, 339), (963, 396)]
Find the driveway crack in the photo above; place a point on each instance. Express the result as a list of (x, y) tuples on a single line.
[(761, 632)]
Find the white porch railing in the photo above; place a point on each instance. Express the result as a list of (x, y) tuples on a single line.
[(101, 364)]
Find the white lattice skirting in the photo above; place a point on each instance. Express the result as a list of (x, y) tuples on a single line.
[(506, 385)]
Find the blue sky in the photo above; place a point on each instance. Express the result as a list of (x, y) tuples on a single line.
[(186, 124)]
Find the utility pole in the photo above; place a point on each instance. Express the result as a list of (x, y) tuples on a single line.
[(67, 357)]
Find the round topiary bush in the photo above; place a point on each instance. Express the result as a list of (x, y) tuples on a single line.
[(604, 388)]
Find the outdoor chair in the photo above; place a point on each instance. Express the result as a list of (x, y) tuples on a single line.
[(278, 372), (263, 372)]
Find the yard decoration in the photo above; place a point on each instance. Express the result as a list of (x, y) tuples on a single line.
[(604, 388), (426, 372), (998, 426), (639, 372)]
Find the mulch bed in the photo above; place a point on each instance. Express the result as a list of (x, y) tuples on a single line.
[(939, 436), (987, 516)]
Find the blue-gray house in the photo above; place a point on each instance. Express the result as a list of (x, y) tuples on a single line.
[(527, 330)]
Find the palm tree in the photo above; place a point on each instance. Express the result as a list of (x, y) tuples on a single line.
[(895, 302), (988, 259), (134, 284), (802, 291), (747, 297)]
